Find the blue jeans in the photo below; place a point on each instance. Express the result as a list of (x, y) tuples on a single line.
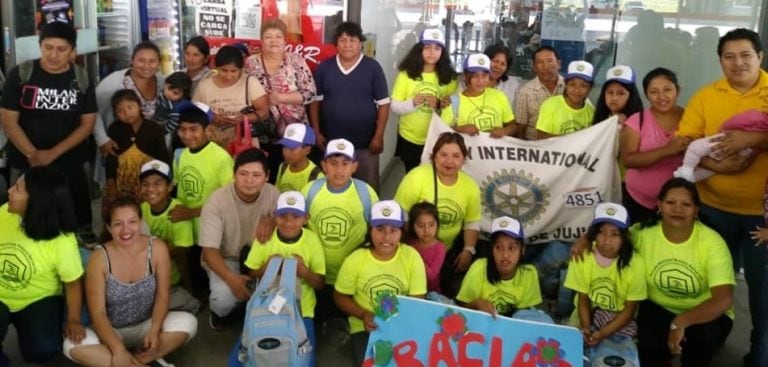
[(735, 228), (39, 327)]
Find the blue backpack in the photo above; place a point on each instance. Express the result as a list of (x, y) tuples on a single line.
[(274, 333)]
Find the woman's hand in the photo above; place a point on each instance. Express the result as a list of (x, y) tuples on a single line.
[(461, 264), (108, 148), (579, 248), (181, 213), (368, 322), (674, 340), (150, 347), (220, 119), (468, 129), (74, 331), (677, 145), (760, 235), (736, 140)]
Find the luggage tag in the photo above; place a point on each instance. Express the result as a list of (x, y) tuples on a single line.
[(277, 303)]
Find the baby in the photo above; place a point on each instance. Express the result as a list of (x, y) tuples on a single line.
[(751, 120)]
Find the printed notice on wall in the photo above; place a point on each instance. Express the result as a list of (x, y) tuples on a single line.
[(248, 21), (214, 18)]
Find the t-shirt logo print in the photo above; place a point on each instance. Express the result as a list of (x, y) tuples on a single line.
[(602, 291), (334, 225), (16, 267), (192, 182), (677, 279)]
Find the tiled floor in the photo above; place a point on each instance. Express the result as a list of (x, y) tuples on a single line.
[(210, 348)]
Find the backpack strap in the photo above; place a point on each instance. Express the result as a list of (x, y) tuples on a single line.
[(288, 275), (365, 197), (314, 188), (269, 275), (315, 172), (81, 75), (25, 71), (455, 98)]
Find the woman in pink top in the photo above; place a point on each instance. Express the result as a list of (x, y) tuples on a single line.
[(649, 148)]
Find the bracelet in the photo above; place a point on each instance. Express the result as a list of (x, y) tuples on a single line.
[(469, 249), (673, 326)]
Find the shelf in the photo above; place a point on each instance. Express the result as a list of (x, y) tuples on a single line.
[(111, 14), (111, 47)]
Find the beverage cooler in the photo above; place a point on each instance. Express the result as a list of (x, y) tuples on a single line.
[(163, 30), (106, 30)]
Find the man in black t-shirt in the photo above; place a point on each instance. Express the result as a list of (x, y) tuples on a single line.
[(47, 118)]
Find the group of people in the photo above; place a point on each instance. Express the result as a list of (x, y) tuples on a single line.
[(180, 205)]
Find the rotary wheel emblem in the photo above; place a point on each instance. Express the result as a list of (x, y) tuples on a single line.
[(516, 194)]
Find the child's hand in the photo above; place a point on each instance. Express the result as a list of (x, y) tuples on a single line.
[(594, 338), (485, 306), (301, 268), (445, 102), (760, 235), (181, 213), (368, 322)]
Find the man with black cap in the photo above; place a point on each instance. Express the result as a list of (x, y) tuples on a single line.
[(48, 115)]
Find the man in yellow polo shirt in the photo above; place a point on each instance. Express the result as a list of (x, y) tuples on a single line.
[(733, 198)]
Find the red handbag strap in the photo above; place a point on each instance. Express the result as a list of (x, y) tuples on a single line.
[(246, 129)]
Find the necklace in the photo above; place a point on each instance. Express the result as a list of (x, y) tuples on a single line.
[(481, 107)]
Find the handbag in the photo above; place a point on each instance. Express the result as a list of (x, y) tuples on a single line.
[(264, 129), (242, 140)]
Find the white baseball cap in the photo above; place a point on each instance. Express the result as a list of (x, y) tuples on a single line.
[(291, 202), (432, 36), (622, 74), (509, 226), (611, 213), (387, 212), (340, 146), (194, 112), (580, 69), (155, 167), (477, 62), (297, 135)]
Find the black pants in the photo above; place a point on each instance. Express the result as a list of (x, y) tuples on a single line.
[(359, 344), (700, 343), (409, 153), (38, 327)]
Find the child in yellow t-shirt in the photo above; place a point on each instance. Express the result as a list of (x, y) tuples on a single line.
[(290, 239), (610, 283), (425, 82), (500, 284), (480, 108), (156, 187), (385, 269), (572, 111), (201, 167), (297, 170), (338, 207)]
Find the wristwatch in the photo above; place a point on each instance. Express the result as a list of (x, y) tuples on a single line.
[(469, 249)]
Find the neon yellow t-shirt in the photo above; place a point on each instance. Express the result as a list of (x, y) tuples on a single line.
[(414, 125), (33, 270), (557, 118), (679, 275), (197, 175), (606, 287), (364, 277), (487, 111), (522, 291), (308, 247), (339, 221), (457, 205), (295, 181), (181, 234)]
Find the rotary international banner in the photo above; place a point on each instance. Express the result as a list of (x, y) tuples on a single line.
[(551, 185), (417, 333)]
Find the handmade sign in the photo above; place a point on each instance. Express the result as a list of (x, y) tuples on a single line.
[(419, 333)]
